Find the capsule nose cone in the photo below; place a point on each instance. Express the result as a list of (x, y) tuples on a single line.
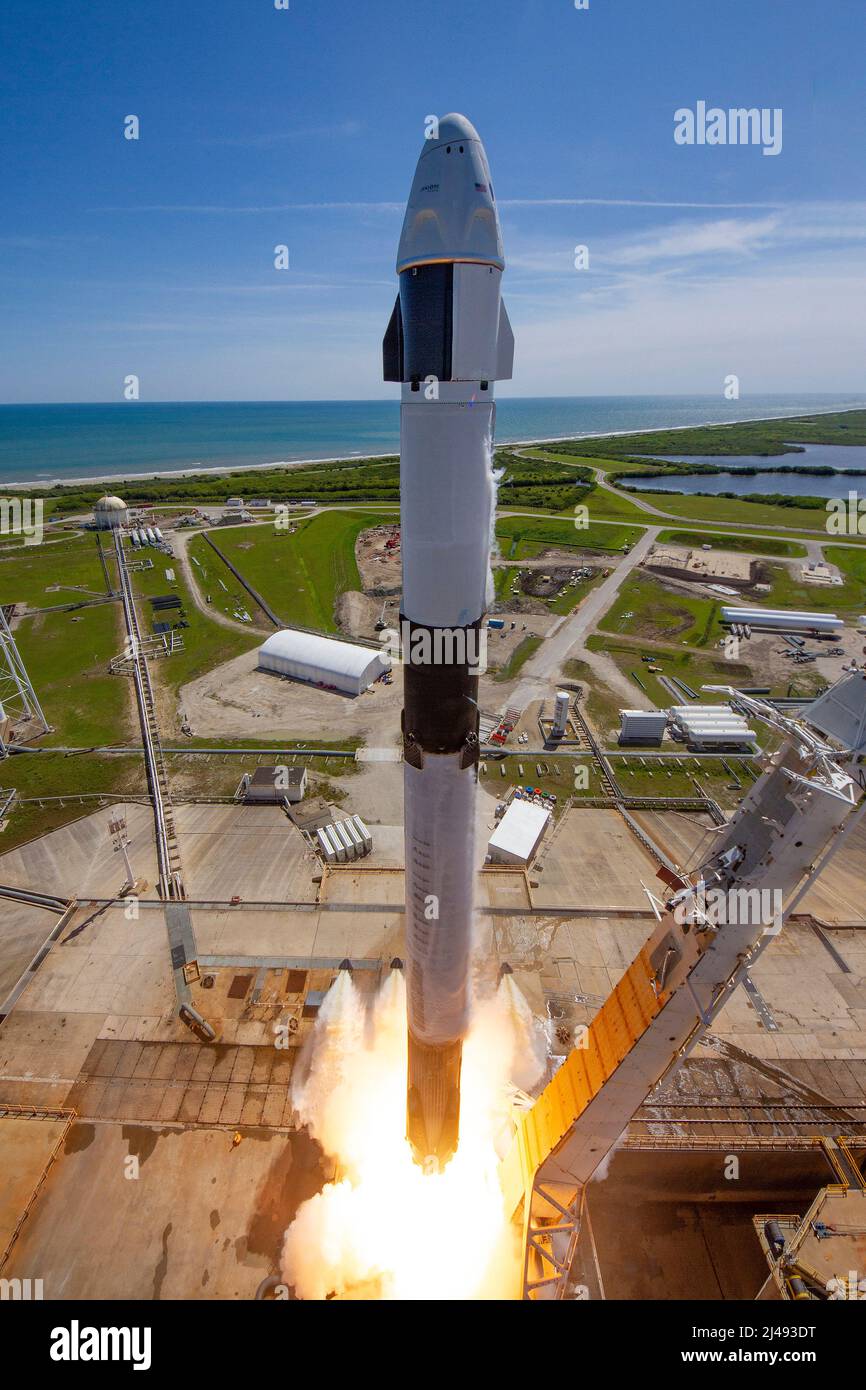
[(346, 964), (451, 214), (456, 127)]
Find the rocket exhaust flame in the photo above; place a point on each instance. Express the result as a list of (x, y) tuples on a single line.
[(386, 1227), (449, 331)]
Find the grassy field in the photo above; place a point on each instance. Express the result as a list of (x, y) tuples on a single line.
[(206, 643), (694, 668), (603, 504), (521, 654), (44, 576), (300, 575), (846, 599), (852, 563), (67, 657), (644, 608), (520, 538), (556, 454), (726, 780), (767, 438), (52, 775), (746, 545), (722, 510)]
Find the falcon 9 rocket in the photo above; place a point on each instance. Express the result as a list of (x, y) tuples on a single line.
[(448, 340)]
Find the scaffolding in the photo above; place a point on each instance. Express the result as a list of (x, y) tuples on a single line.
[(18, 700)]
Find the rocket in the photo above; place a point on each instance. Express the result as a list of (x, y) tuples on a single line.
[(447, 342)]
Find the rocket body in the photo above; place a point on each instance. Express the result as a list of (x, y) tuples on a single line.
[(448, 340)]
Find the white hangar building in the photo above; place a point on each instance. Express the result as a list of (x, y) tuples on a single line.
[(322, 661)]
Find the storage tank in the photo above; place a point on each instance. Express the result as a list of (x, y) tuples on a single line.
[(326, 849), (336, 843), (348, 842), (355, 837), (560, 713), (785, 619), (362, 830), (151, 535), (158, 534)]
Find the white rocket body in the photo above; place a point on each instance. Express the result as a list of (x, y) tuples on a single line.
[(448, 340)]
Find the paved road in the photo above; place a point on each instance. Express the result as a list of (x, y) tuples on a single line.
[(545, 664)]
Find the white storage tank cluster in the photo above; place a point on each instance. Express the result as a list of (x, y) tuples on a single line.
[(322, 661), (146, 535), (344, 841), (642, 725), (787, 620), (711, 726)]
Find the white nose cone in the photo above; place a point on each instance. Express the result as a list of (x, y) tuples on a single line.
[(451, 214)]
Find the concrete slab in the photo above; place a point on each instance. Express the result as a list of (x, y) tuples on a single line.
[(27, 1147), (203, 1218)]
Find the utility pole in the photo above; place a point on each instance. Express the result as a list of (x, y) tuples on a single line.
[(120, 845)]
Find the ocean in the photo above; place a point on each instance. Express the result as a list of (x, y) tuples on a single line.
[(43, 444)]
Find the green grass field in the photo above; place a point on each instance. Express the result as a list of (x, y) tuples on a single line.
[(521, 654), (644, 608), (206, 643), (846, 599), (300, 575), (720, 510), (44, 576), (746, 545), (520, 538), (67, 656), (852, 563)]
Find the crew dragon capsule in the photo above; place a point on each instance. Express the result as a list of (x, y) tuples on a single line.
[(448, 341)]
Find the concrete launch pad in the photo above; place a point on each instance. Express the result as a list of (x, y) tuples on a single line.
[(96, 1032)]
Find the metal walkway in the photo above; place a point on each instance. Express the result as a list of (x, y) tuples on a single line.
[(167, 852)]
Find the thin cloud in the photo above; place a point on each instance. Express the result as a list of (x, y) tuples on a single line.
[(344, 130), (619, 203), (222, 208)]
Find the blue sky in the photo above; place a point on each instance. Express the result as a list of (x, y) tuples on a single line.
[(302, 127)]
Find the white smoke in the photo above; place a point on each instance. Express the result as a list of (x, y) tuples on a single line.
[(385, 1228)]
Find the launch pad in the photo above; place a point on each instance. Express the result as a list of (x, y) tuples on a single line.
[(139, 1085)]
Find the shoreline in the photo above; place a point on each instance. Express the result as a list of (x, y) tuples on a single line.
[(192, 470)]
